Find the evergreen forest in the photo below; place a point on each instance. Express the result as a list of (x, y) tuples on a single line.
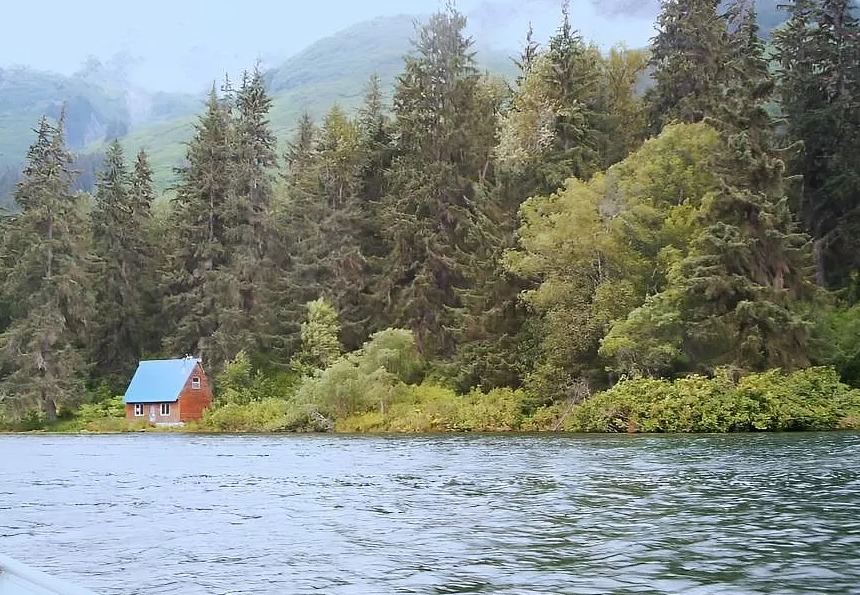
[(664, 239)]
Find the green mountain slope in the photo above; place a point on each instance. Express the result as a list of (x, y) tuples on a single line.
[(95, 109)]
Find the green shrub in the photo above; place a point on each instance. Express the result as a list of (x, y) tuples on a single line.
[(811, 399), (267, 415), (498, 410), (345, 389), (364, 380), (112, 408), (112, 424), (429, 407), (28, 422), (393, 350), (238, 383)]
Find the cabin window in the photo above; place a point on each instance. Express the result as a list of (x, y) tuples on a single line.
[(195, 382), (165, 409), (138, 409)]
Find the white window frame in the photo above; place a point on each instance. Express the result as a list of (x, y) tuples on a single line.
[(195, 382), (165, 409), (138, 409)]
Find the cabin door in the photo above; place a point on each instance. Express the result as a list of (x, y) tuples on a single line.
[(152, 413)]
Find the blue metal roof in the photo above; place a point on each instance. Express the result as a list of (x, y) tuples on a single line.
[(159, 381)]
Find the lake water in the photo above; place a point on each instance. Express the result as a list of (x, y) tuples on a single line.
[(191, 514)]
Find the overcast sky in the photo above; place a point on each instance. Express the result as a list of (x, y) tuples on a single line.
[(182, 44)]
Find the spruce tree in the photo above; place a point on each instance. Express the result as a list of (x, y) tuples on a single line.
[(343, 224), (195, 282), (624, 118), (819, 86), (429, 209), (556, 127), (300, 149), (689, 56), (376, 143), (326, 224), (244, 312), (44, 255), (376, 147), (151, 253), (573, 77), (123, 268), (749, 275), (292, 208)]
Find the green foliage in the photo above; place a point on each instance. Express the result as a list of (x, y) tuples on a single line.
[(235, 383), (818, 52), (320, 343), (267, 415), (736, 281), (365, 379), (44, 252), (630, 257), (812, 399), (596, 248), (113, 408), (431, 408), (840, 341)]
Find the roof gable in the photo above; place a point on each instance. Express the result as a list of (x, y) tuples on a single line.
[(159, 381)]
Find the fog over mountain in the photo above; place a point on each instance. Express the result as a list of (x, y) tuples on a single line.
[(181, 46)]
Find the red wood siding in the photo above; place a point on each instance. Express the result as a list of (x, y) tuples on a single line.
[(129, 413), (193, 401)]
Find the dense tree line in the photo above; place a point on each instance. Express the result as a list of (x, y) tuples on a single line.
[(556, 235)]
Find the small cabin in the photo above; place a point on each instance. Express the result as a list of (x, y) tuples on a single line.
[(168, 392)]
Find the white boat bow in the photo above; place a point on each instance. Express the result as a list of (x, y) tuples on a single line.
[(19, 579)]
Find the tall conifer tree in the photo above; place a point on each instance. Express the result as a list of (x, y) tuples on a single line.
[(429, 209), (245, 311), (123, 266), (195, 283), (819, 89), (44, 252), (689, 56)]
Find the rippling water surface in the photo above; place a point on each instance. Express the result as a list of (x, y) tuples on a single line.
[(147, 514)]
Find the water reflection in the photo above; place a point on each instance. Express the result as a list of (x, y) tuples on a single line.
[(455, 514)]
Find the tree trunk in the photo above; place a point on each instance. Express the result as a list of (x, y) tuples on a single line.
[(49, 407), (818, 250), (50, 263)]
